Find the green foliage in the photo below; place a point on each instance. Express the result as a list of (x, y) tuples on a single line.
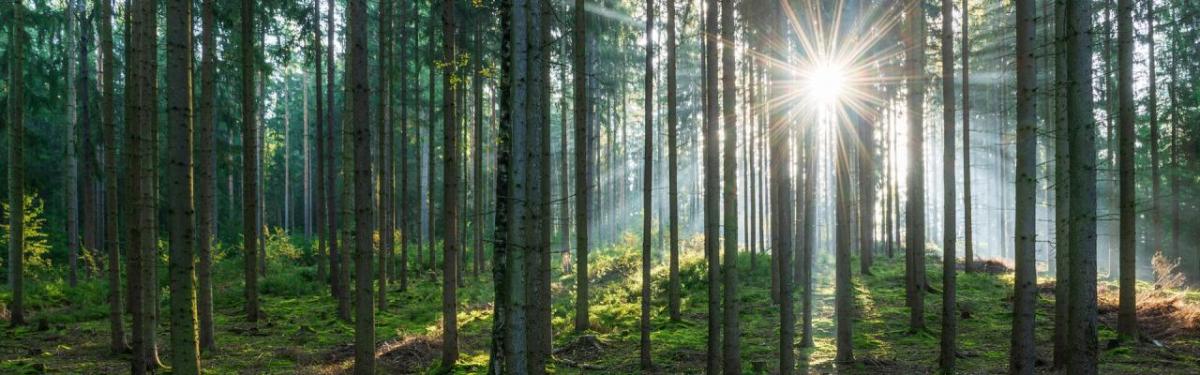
[(279, 247), (37, 246)]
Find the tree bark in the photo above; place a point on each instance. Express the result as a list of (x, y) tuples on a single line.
[(450, 196), (71, 177), (732, 361), (181, 214), (583, 162), (712, 186), (914, 219), (1127, 310), (1082, 137), (647, 191), (117, 341), (16, 169), (356, 68), (1022, 356), (949, 230), (1062, 192), (384, 119), (249, 165), (206, 168)]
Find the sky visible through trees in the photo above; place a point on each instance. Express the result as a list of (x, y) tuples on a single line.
[(616, 186)]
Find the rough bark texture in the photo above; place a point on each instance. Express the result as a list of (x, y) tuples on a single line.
[(732, 361), (1082, 175), (206, 175), (70, 178), (647, 191), (582, 112), (968, 238), (450, 207), (712, 186), (949, 230), (249, 166), (181, 214), (356, 66), (1022, 356), (117, 341), (1062, 192), (16, 162), (384, 121), (1127, 312), (914, 218)]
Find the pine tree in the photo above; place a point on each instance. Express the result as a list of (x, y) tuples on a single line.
[(117, 341), (1081, 137), (647, 189), (949, 232), (1127, 311), (731, 340), (582, 113), (249, 166), (16, 168), (1022, 356), (206, 174), (450, 207)]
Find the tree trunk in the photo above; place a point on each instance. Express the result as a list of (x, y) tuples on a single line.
[(249, 165), (583, 163), (968, 238), (450, 207), (672, 166), (732, 361), (206, 172), (1082, 137), (1127, 312), (181, 214), (16, 164), (1062, 192), (70, 178), (1022, 355), (1156, 232), (477, 153), (404, 106), (949, 231), (117, 341), (502, 339), (647, 191), (712, 185), (915, 208), (384, 118), (356, 69)]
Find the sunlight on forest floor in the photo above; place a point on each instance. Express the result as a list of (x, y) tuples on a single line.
[(302, 335)]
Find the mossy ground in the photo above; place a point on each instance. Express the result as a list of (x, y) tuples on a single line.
[(301, 333)]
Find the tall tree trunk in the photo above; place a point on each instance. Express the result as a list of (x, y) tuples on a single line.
[(647, 191), (384, 119), (181, 214), (477, 153), (808, 237), (249, 165), (338, 170), (1155, 234), (16, 164), (914, 219), (1082, 137), (672, 166), (1022, 355), (356, 69), (116, 321), (968, 238), (71, 177), (1062, 192), (712, 186), (502, 339), (206, 172), (732, 361), (583, 163), (450, 207), (405, 198), (949, 231), (1127, 311), (538, 257)]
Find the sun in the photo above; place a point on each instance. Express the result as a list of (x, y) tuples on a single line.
[(824, 84)]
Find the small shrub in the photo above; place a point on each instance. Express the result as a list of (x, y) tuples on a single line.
[(37, 245)]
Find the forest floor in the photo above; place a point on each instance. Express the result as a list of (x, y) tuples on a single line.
[(301, 334)]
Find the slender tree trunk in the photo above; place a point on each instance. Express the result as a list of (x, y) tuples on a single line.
[(1062, 192), (915, 208), (117, 341), (356, 69), (206, 172), (335, 171), (324, 247), (1155, 215), (181, 214), (949, 231), (404, 106), (672, 166), (477, 153), (16, 169), (712, 185), (583, 163), (1127, 311), (502, 339), (71, 177), (808, 236), (450, 196), (249, 165), (1022, 355), (732, 361), (647, 191), (383, 116), (1082, 137), (968, 238)]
